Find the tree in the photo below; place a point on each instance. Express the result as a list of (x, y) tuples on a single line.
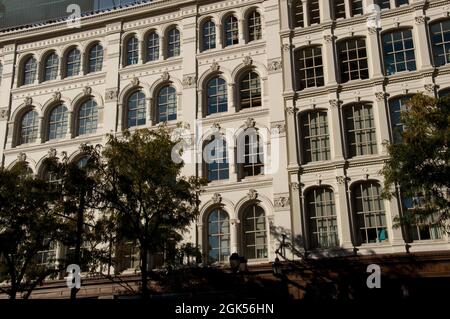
[(73, 184), (28, 226), (418, 166), (138, 179)]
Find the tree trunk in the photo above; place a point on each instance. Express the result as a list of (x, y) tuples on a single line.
[(144, 273), (77, 257)]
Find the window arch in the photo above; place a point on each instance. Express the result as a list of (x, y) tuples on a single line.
[(29, 71), (215, 155), (217, 96), (360, 129), (87, 118), (315, 136), (208, 35), (152, 46), (250, 90), (132, 56), (368, 209), (254, 232), (353, 59), (250, 153), (398, 48), (51, 67), (218, 235), (173, 42), (309, 67), (322, 217), (440, 39), (73, 62), (231, 30), (254, 26), (29, 124), (58, 121), (396, 106), (166, 104), (95, 58), (136, 110)]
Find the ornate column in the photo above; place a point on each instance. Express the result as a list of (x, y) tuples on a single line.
[(381, 120), (70, 125), (421, 43), (337, 151), (149, 102), (343, 212), (162, 45), (230, 96), (234, 230), (219, 36), (373, 54), (200, 104), (328, 58), (297, 212), (325, 10), (241, 26)]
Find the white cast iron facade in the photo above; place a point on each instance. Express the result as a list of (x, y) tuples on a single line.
[(157, 56)]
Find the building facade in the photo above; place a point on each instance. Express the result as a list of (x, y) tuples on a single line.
[(298, 96)]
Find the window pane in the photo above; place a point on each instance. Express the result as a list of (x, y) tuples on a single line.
[(167, 104), (136, 109), (87, 118), (58, 123)]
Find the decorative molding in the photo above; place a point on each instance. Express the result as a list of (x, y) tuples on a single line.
[(4, 113), (87, 90), (234, 221), (286, 47), (295, 186), (274, 66), (215, 67), (281, 202), (56, 96), (51, 153), (28, 101), (328, 38), (372, 30), (22, 157), (430, 87), (189, 81), (278, 128), (111, 95), (420, 19), (135, 81), (216, 198), (252, 194), (334, 103), (380, 96), (250, 122), (247, 60), (341, 179), (216, 126), (290, 109), (165, 76)]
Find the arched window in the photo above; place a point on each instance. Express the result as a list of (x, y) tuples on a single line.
[(51, 67), (73, 64), (254, 232), (396, 107), (87, 118), (216, 159), (368, 209), (152, 47), (209, 35), (339, 9), (218, 236), (217, 98), (250, 153), (173, 43), (440, 39), (57, 125), (353, 59), (136, 109), (96, 58), (132, 51), (82, 162), (398, 50), (29, 71), (322, 217), (29, 127), (250, 90), (254, 26), (309, 67), (426, 229), (231, 31), (444, 93), (299, 19), (167, 104), (360, 130), (315, 136)]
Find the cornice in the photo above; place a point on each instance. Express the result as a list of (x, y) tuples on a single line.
[(265, 181)]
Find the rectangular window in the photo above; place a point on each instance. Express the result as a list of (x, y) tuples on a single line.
[(440, 38), (357, 7), (310, 67), (299, 19), (353, 57), (424, 230), (360, 130), (339, 9), (314, 12), (316, 139), (399, 52)]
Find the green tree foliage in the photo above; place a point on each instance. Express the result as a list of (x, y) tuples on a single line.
[(28, 225), (138, 179), (419, 165)]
